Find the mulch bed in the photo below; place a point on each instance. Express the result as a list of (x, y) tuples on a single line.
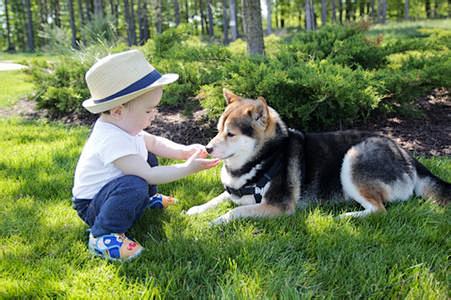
[(429, 134)]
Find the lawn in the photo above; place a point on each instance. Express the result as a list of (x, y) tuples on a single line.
[(15, 85), (43, 253)]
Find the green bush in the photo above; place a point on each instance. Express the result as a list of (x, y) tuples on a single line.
[(307, 95), (325, 79)]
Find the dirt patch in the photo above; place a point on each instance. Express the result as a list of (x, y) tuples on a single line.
[(428, 135)]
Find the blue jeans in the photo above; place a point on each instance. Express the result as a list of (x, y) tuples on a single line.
[(120, 202)]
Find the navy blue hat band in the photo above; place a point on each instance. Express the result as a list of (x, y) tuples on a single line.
[(136, 86)]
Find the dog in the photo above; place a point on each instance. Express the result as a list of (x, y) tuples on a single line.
[(270, 170)]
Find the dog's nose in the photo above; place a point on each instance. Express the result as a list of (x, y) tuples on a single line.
[(209, 149)]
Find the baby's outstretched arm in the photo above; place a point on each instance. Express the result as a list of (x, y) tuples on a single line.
[(163, 147), (136, 165)]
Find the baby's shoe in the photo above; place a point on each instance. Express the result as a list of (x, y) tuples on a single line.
[(161, 201), (114, 246)]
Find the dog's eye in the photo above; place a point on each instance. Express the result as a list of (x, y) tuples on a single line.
[(229, 134)]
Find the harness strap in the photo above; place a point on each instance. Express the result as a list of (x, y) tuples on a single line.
[(256, 190)]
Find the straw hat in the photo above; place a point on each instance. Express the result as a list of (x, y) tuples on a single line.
[(119, 78)]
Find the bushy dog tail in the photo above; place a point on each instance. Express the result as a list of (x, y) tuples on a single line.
[(431, 187)]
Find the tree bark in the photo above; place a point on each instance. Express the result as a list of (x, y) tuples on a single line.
[(159, 16), (269, 17), (10, 47), (253, 22), (176, 12), (98, 8), (225, 23), (210, 19), (348, 8), (362, 8), (406, 10), (202, 16), (73, 29), (340, 11), (143, 22), (233, 24), (334, 11), (30, 37), (373, 9), (427, 5), (323, 12), (382, 11), (56, 12), (309, 15)]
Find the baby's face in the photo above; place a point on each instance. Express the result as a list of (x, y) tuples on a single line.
[(140, 112)]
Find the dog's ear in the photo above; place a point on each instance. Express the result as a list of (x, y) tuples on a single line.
[(230, 96), (261, 113)]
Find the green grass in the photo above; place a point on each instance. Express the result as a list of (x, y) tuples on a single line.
[(401, 254), (14, 86)]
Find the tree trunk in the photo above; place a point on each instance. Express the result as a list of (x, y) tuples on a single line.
[(143, 22), (323, 12), (98, 8), (128, 21), (406, 10), (30, 37), (132, 21), (81, 15), (73, 29), (88, 11), (382, 11), (176, 12), (334, 12), (186, 11), (225, 23), (159, 16), (269, 17), (233, 24), (362, 8), (56, 12), (309, 16), (11, 47), (210, 19), (202, 16), (348, 7), (373, 9), (427, 4), (340, 11), (254, 31)]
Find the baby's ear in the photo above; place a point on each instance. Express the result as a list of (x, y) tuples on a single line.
[(230, 96), (116, 112)]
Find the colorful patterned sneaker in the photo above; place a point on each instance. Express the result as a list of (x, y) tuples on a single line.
[(161, 201), (114, 246)]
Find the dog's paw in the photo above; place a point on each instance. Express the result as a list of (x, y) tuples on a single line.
[(195, 210), (226, 218)]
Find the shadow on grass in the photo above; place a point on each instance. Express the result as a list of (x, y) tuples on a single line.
[(310, 253)]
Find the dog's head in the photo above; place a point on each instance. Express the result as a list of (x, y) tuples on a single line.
[(242, 129)]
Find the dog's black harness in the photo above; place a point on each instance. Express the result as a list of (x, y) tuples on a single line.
[(257, 189)]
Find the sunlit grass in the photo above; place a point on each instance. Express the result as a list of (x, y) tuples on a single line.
[(14, 86), (43, 252)]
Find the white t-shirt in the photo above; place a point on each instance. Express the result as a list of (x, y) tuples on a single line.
[(95, 167)]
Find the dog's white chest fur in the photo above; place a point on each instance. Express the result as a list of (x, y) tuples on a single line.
[(237, 182)]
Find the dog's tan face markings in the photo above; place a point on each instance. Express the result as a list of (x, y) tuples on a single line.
[(243, 126)]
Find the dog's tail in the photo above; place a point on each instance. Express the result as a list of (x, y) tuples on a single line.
[(431, 187)]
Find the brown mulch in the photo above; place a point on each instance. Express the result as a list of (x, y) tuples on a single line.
[(428, 134)]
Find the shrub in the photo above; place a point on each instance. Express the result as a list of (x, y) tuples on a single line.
[(307, 95)]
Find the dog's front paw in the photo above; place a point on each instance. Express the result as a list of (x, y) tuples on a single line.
[(226, 218), (196, 210)]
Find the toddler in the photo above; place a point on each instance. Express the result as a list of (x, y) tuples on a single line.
[(117, 172)]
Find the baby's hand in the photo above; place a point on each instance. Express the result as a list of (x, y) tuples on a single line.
[(191, 149), (197, 162)]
